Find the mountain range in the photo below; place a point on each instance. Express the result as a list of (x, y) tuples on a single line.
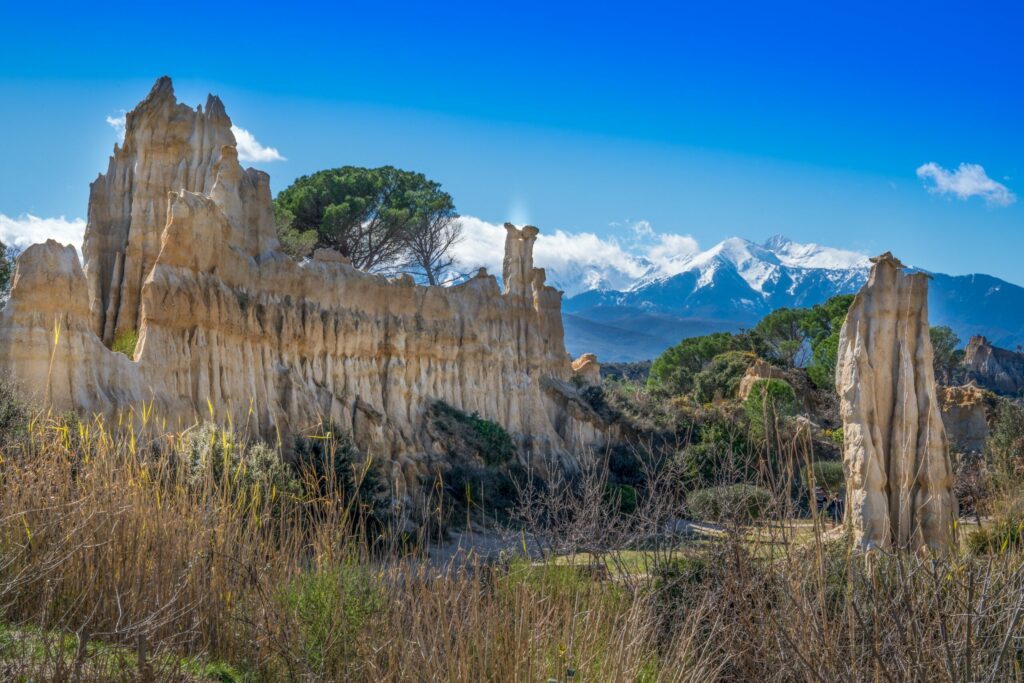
[(736, 282)]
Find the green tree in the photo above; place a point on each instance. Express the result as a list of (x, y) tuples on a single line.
[(946, 355), (296, 243), (822, 324), (784, 333), (674, 371), (721, 378), (769, 402), (370, 215), (7, 257)]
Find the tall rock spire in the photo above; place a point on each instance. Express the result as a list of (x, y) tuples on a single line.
[(168, 147), (899, 478)]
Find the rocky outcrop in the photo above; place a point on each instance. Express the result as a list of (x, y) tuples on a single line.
[(759, 370), (967, 412), (993, 368), (180, 248), (586, 370), (899, 478)]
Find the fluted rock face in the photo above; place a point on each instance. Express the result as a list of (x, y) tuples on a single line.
[(167, 147), (181, 247), (994, 368), (966, 412), (899, 479)]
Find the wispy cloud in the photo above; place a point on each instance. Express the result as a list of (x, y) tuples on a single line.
[(118, 124), (249, 148), (577, 261), (28, 229), (968, 180)]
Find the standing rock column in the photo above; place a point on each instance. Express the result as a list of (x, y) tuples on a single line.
[(899, 478)]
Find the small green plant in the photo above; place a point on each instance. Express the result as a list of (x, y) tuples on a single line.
[(836, 435), (328, 608), (125, 343), (740, 503)]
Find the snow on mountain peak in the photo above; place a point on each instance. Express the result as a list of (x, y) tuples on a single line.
[(813, 255)]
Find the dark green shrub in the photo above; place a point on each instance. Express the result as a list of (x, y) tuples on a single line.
[(329, 463), (486, 488), (740, 503), (673, 372), (828, 474), (622, 496), (471, 436), (721, 378)]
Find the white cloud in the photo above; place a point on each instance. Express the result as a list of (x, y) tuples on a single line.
[(574, 261), (671, 248), (249, 149), (968, 180), (28, 229), (118, 123)]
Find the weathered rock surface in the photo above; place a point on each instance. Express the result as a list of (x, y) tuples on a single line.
[(899, 478), (180, 247), (966, 413), (587, 370), (759, 370), (991, 367)]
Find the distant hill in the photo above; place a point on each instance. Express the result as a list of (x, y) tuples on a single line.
[(736, 282)]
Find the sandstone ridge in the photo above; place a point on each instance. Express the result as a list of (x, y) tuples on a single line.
[(180, 250)]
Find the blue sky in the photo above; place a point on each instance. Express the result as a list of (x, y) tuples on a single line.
[(807, 119)]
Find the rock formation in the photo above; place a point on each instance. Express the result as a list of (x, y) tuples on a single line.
[(966, 413), (180, 248), (899, 478), (991, 367), (587, 370)]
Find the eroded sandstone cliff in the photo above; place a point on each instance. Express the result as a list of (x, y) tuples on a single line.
[(180, 247), (899, 478), (991, 367)]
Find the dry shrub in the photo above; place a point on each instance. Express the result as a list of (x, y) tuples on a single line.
[(117, 562)]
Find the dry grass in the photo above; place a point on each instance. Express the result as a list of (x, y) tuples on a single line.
[(117, 565)]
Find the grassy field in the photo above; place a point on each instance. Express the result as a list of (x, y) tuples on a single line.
[(124, 555)]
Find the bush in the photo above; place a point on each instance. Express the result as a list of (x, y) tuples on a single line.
[(673, 372), (1004, 533), (125, 343), (1004, 448), (471, 436), (828, 474), (721, 378), (622, 496), (216, 456), (329, 463), (14, 413), (487, 488), (740, 503), (769, 401), (328, 609)]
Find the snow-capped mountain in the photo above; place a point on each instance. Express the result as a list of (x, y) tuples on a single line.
[(735, 283), (737, 280)]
